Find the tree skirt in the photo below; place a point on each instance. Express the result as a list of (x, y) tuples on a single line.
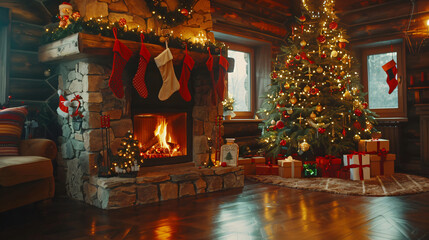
[(397, 184)]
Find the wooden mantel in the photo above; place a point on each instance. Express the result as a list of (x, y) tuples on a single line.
[(82, 45)]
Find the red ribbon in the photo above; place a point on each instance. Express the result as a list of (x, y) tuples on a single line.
[(76, 113), (383, 155), (360, 166)]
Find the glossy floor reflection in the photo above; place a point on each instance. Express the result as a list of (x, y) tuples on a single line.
[(258, 211)]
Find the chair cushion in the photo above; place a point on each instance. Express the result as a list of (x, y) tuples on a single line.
[(11, 123), (20, 169)]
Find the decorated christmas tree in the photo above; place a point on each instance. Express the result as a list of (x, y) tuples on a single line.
[(128, 154), (315, 104)]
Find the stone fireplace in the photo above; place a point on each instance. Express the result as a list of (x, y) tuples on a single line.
[(171, 167), (191, 124)]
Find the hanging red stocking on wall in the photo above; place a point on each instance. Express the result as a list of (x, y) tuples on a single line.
[(209, 65), (188, 64), (121, 56), (220, 85), (139, 81), (391, 71)]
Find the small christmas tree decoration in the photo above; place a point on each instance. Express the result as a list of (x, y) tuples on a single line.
[(319, 108), (321, 130), (307, 89), (304, 146), (287, 86), (365, 105), (302, 18), (128, 159), (184, 12), (303, 43), (334, 54), (321, 39), (313, 115), (342, 43), (293, 100), (358, 112), (347, 95), (319, 69)]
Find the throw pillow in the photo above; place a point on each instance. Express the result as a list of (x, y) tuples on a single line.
[(11, 124)]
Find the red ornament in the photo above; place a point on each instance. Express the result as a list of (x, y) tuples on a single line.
[(323, 55), (310, 61), (357, 125), (365, 105), (321, 39), (283, 142), (184, 12), (122, 22), (314, 91), (358, 112), (76, 15), (302, 18), (342, 44), (274, 75), (280, 124), (223, 164), (344, 132), (297, 57), (321, 130), (303, 55), (333, 25)]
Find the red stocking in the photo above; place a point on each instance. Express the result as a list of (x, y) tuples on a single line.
[(121, 56), (188, 64), (138, 81), (391, 72), (220, 86), (209, 65)]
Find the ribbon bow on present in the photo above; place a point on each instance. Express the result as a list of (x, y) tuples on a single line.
[(360, 165)]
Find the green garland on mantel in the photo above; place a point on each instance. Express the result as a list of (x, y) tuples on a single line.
[(171, 18), (104, 28)]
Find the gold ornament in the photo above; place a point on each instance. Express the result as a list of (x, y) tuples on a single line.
[(342, 73), (287, 85), (356, 138), (319, 69), (307, 89), (313, 115), (319, 108), (356, 104), (303, 43), (347, 95), (289, 110), (293, 100), (304, 146), (334, 54), (162, 39)]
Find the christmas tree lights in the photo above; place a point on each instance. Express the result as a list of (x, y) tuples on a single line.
[(315, 104)]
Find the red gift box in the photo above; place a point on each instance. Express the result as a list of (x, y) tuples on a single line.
[(265, 169), (329, 166)]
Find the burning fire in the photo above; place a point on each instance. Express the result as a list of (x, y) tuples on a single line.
[(161, 133), (161, 145)]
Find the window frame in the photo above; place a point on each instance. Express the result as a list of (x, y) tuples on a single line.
[(388, 113), (243, 48), (5, 29)]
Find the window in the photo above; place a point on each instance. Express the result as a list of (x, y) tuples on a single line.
[(374, 79), (241, 85), (4, 48)]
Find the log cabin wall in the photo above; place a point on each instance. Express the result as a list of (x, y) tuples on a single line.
[(373, 21), (30, 82)]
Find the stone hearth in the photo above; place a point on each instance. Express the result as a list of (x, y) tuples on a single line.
[(155, 186)]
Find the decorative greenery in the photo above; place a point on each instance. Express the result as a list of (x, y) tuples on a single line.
[(128, 154), (103, 27), (315, 105), (171, 18)]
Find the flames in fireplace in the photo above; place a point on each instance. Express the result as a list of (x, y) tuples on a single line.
[(161, 135)]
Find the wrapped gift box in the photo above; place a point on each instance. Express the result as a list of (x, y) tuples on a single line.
[(329, 166), (290, 168), (373, 146), (249, 164), (382, 165), (359, 166), (264, 169)]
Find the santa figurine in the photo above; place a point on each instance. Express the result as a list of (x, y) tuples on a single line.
[(66, 9)]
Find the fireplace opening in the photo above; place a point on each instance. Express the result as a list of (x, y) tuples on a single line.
[(163, 137)]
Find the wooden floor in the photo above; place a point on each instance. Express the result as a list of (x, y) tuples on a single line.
[(258, 211)]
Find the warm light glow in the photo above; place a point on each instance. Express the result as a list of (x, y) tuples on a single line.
[(161, 133)]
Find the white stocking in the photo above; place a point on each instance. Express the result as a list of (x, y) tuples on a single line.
[(164, 61)]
